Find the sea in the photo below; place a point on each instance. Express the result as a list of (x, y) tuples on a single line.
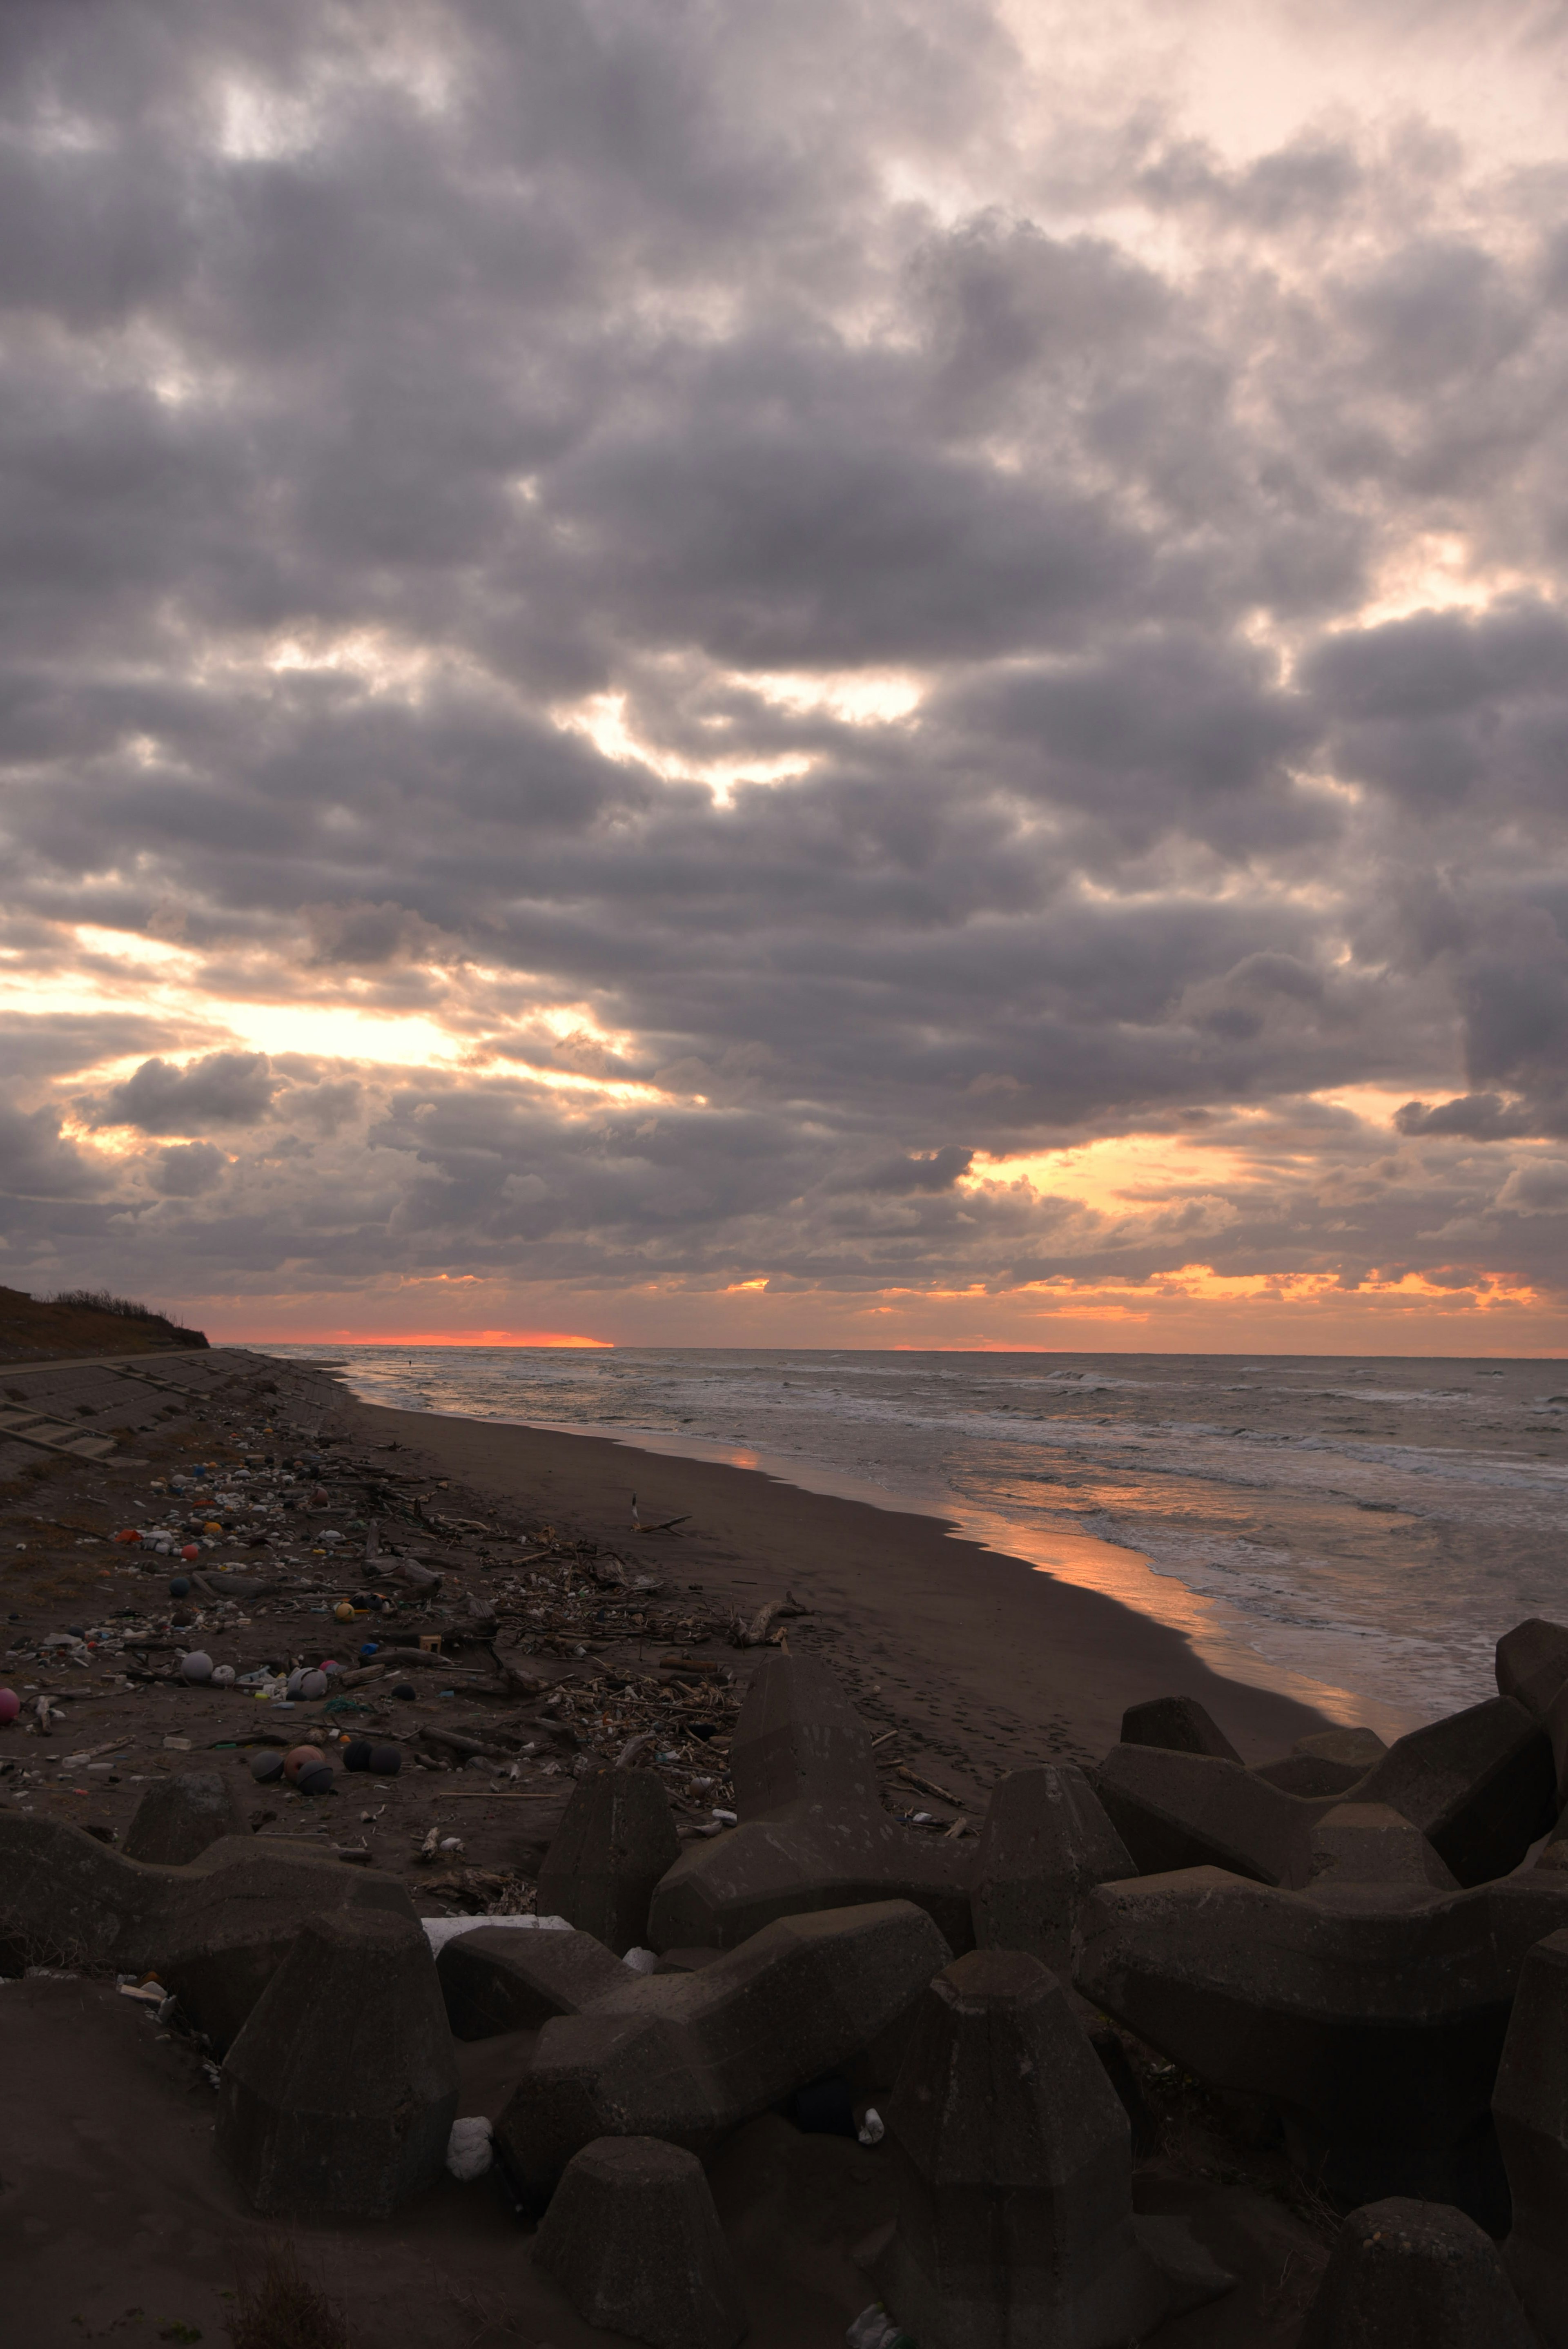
[(1354, 1531)]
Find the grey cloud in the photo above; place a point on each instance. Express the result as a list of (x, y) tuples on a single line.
[(221, 1088), (186, 1170)]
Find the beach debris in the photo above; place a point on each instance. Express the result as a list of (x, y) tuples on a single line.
[(1414, 2271), (1013, 2168), (196, 1667), (616, 1842), (757, 1630), (1530, 2107), (874, 2328), (1045, 1844), (470, 2152), (1481, 1784), (812, 1832), (633, 2239), (1179, 1724), (499, 1979), (688, 2056), (1175, 1810), (307, 2125), (1372, 2029), (179, 1816)]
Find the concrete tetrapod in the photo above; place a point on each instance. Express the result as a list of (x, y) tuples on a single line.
[(1532, 1664), (1479, 1784), (1530, 2107), (616, 1842), (1013, 2168), (687, 2056), (214, 1932), (1179, 1724), (340, 2093), (1045, 1844), (1331, 1762), (634, 2240), (178, 1817), (1376, 2034), (812, 1833), (1194, 1810), (1414, 2275), (495, 1980)]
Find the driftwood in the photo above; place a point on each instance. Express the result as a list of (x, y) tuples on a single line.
[(759, 1631)]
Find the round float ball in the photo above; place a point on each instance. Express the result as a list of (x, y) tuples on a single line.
[(266, 1769), (386, 1760), (179, 1588), (357, 1753), (313, 1685), (344, 1612), (10, 1704), (191, 1550), (197, 1667), (316, 1779), (301, 1757), (404, 1689), (222, 1675)]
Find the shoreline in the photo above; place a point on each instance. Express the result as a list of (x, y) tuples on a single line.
[(979, 1651)]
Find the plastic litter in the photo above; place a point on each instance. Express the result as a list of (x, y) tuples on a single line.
[(300, 1758), (439, 1930), (469, 2151), (222, 1676), (874, 2328), (641, 1962), (196, 1668), (873, 2129), (266, 1768), (10, 1704)]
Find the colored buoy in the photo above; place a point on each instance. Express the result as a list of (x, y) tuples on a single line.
[(10, 1704), (179, 1588), (197, 1667), (301, 1757)]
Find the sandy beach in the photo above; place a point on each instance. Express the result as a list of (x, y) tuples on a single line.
[(990, 1661)]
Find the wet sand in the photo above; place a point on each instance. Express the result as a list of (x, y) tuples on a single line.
[(986, 1656)]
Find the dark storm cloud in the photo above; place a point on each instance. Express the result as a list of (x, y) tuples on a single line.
[(399, 401)]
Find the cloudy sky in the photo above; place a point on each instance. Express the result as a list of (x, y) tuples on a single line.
[(871, 672)]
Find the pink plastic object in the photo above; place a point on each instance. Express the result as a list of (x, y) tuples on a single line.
[(10, 1704)]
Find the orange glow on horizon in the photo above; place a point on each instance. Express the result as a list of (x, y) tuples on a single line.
[(421, 1337)]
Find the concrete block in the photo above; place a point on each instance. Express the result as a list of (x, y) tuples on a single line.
[(1194, 1810), (178, 1817), (1368, 1857), (1013, 2168), (798, 1739), (1405, 2274), (1481, 1784), (685, 2057), (1179, 1724), (1532, 1664), (810, 1856), (1529, 2105), (1375, 2035), (214, 1930), (1045, 1844), (616, 1842), (1355, 1749), (1332, 1762), (338, 2095), (494, 1980), (633, 2239)]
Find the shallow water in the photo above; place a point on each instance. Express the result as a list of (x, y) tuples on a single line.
[(1356, 1531)]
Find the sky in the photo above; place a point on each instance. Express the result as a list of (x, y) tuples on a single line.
[(876, 674)]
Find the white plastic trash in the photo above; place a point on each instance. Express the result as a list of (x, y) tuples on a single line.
[(439, 1930), (641, 1962), (874, 2328), (873, 2129), (469, 2153)]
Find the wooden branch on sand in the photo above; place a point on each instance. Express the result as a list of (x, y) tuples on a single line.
[(760, 1631)]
